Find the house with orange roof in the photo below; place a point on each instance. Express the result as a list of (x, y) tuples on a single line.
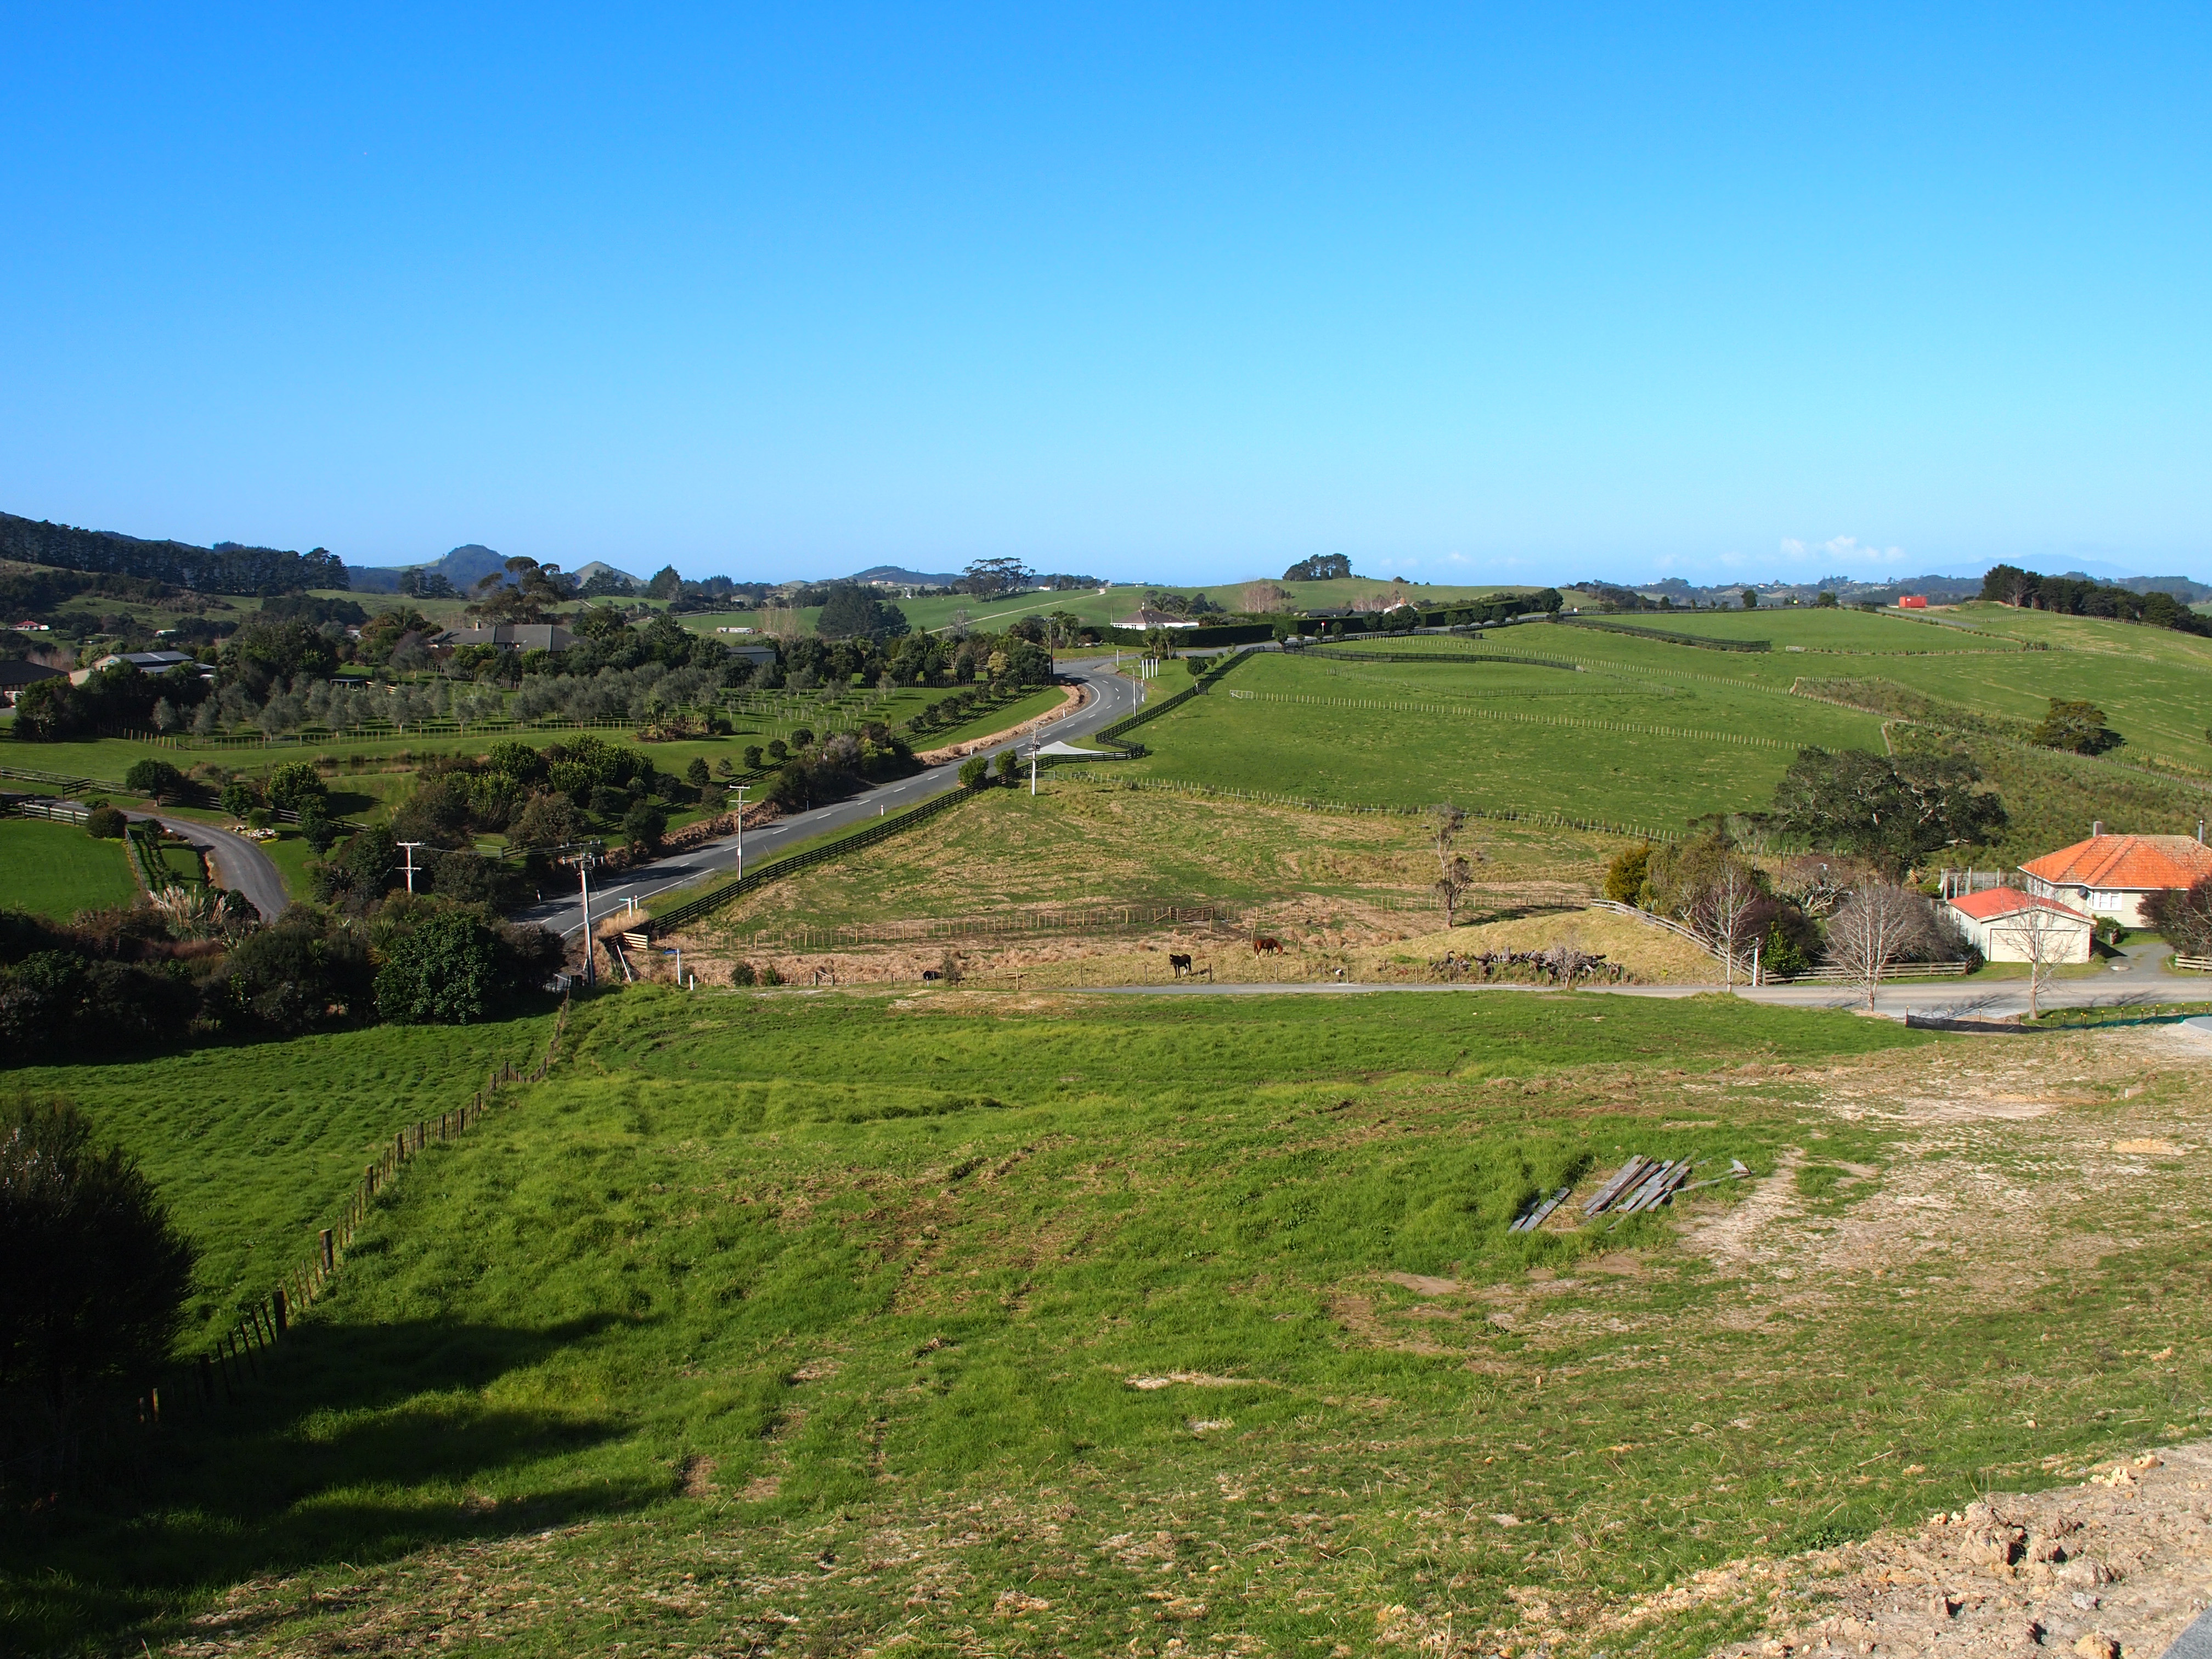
[(2006, 924), (2114, 875)]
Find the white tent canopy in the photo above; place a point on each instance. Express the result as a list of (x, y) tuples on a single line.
[(1081, 753)]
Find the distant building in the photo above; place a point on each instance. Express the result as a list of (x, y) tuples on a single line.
[(2114, 875), (511, 636), (146, 662), (1147, 619), (2003, 924), (1912, 602), (15, 677)]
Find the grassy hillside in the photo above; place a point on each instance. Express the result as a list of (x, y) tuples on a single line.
[(1495, 733), (1488, 731), (56, 870), (256, 1144), (1059, 1324)]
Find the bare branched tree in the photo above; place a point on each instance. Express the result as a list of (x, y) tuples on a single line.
[(2044, 937), (1262, 598), (1724, 914), (1875, 928), (1455, 870)]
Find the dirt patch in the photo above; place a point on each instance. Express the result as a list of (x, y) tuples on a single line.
[(1732, 1235), (2122, 1561)]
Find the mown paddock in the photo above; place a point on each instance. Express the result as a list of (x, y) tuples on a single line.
[(1083, 841), (1492, 733), (717, 1315), (56, 869)]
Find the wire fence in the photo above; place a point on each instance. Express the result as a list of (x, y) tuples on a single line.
[(240, 1356)]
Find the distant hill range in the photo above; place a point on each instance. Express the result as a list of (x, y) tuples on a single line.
[(225, 568), (900, 576)]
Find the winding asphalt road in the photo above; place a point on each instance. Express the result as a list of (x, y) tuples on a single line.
[(237, 862), (1113, 697)]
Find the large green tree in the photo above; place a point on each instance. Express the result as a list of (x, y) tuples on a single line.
[(1891, 809)]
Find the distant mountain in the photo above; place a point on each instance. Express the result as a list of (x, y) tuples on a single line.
[(584, 573), (464, 567), (903, 577)]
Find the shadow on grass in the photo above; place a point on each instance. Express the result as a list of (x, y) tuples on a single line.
[(359, 1445)]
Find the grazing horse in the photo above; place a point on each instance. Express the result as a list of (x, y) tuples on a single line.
[(1267, 944), (1178, 965), (929, 974)]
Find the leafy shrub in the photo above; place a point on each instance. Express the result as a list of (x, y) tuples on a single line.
[(305, 972), (1624, 876), (644, 824), (975, 772), (156, 779), (2078, 726), (292, 784), (94, 1275), (445, 972), (106, 822), (65, 1004)]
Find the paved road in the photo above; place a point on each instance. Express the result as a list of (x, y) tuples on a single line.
[(1113, 697), (2138, 977), (237, 861)]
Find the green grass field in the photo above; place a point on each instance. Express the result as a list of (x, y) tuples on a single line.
[(1081, 842), (56, 870), (1317, 726), (254, 1144), (1072, 1323), (1493, 734)]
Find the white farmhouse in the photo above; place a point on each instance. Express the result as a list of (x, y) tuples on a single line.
[(2006, 924)]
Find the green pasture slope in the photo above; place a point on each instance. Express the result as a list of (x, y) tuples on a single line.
[(56, 870), (256, 1145), (967, 1228), (1490, 733), (1546, 740), (849, 1294)]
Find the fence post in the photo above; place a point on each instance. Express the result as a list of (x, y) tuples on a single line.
[(276, 1302)]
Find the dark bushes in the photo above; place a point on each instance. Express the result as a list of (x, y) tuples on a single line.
[(93, 1273)]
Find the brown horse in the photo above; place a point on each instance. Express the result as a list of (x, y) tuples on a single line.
[(1178, 965), (1267, 944)]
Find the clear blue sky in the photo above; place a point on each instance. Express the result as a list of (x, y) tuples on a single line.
[(1174, 294)]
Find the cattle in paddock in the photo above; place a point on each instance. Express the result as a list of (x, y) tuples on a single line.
[(1266, 945), (929, 974), (1178, 965)]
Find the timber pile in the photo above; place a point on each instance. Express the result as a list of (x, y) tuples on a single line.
[(1642, 1184)]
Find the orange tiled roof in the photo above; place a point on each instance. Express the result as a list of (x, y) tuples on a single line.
[(2129, 863), (2003, 900)]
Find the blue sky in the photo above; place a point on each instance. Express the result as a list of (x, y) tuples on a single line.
[(1170, 293)]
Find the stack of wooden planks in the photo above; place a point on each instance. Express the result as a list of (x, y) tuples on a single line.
[(1642, 1184)]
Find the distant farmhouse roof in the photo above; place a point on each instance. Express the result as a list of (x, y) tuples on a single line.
[(14, 676), (513, 636), (2126, 864), (1147, 618), (150, 662), (2004, 901)]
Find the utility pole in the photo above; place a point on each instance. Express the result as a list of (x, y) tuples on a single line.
[(741, 829), (584, 858), (410, 846), (1033, 766)]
